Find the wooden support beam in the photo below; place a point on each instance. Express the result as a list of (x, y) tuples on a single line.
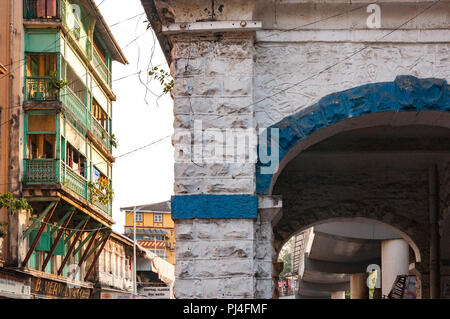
[(38, 236), (97, 254), (77, 227), (38, 220), (72, 246), (56, 227), (84, 242), (58, 237), (83, 257), (106, 234)]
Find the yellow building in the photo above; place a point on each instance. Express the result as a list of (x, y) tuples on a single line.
[(154, 228)]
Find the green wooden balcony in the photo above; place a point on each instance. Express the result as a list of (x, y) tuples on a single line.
[(40, 88), (73, 102), (74, 181), (100, 133), (41, 171), (53, 172), (101, 67)]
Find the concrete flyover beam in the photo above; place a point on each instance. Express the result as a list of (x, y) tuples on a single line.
[(339, 267)]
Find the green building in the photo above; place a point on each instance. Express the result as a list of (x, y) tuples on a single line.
[(64, 144)]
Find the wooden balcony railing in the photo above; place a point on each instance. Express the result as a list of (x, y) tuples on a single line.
[(74, 181), (101, 67), (73, 102), (41, 171), (45, 171), (100, 133), (40, 89)]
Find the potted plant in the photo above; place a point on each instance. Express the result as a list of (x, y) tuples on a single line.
[(56, 84)]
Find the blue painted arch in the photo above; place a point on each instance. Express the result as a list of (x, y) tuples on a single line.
[(405, 94)]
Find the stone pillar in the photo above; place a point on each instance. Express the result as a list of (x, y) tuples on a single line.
[(394, 262), (338, 295), (224, 257), (358, 286), (214, 207)]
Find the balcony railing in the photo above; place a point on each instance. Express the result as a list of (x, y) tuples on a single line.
[(74, 181), (52, 172), (40, 89), (41, 171), (100, 133), (101, 67), (73, 102), (41, 9)]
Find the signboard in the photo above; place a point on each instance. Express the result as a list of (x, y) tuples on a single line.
[(404, 287), (54, 289), (12, 286), (155, 292), (114, 295)]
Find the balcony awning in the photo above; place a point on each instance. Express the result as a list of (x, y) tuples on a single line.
[(147, 231), (164, 269)]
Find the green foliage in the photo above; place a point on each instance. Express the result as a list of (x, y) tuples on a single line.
[(3, 229), (286, 259), (163, 77), (7, 201), (101, 191), (114, 142), (57, 84)]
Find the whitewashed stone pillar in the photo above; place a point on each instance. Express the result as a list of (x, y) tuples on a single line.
[(223, 249)]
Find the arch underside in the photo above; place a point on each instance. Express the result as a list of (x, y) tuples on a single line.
[(402, 127)]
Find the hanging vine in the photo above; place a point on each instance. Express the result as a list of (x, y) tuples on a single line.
[(101, 191)]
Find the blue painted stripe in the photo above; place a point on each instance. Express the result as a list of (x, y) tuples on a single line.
[(214, 206)]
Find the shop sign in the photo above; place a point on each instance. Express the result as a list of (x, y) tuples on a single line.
[(155, 292), (54, 289), (14, 286), (114, 295)]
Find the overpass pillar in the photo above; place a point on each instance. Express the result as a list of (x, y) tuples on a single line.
[(394, 262), (358, 286)]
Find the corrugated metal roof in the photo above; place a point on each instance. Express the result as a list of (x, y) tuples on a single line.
[(146, 231), (163, 207)]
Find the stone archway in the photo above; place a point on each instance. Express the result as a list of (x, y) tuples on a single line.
[(407, 107), (419, 101)]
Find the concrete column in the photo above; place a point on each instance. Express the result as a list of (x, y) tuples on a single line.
[(358, 286), (338, 295), (394, 262)]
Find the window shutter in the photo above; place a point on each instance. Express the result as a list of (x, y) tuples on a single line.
[(61, 247), (43, 243)]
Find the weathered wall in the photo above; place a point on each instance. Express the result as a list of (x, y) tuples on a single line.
[(241, 80), (11, 124)]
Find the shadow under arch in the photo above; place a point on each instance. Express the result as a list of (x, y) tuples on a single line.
[(405, 101), (399, 232)]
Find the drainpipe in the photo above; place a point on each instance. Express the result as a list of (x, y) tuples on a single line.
[(435, 276)]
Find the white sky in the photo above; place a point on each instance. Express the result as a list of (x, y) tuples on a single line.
[(145, 176)]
